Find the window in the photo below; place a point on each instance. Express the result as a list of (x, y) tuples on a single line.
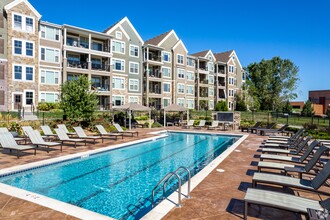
[(181, 73), (118, 65), (29, 24), (180, 88), (118, 47), (210, 66), (117, 100), (166, 87), (190, 75), (23, 72), (166, 102), (134, 51), (211, 104), (180, 59), (50, 33), (28, 98), (97, 46), (231, 69), (29, 49), (190, 103), (50, 55), (133, 68), (18, 47), (190, 89), (211, 92), (118, 83), (18, 72), (119, 35), (48, 97), (190, 61), (211, 79), (231, 92), (134, 85), (49, 77), (133, 99), (17, 22), (181, 102), (166, 72), (166, 57)]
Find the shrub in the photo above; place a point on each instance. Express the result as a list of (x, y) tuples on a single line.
[(48, 106), (142, 118), (221, 106), (156, 125)]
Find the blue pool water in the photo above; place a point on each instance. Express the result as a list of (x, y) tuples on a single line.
[(118, 183)]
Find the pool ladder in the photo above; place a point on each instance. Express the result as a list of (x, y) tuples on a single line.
[(165, 180)]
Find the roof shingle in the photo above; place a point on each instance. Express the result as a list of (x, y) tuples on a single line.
[(223, 57), (156, 40)]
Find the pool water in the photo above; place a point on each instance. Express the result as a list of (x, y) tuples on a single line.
[(119, 183)]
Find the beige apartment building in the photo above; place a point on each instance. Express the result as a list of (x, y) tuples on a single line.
[(36, 57)]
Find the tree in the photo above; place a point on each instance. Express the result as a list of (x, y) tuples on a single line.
[(271, 82), (77, 100), (287, 107), (240, 103), (221, 106), (307, 109)]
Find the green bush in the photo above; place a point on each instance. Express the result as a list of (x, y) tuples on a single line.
[(48, 106), (142, 118), (156, 125)]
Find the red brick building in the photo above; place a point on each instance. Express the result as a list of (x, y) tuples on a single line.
[(321, 97)]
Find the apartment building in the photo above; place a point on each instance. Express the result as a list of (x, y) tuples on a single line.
[(167, 76), (23, 54), (205, 79), (126, 77), (229, 63)]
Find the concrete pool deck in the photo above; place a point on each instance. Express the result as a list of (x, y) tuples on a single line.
[(219, 196)]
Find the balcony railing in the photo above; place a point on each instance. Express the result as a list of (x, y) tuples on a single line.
[(153, 57), (100, 47), (203, 95), (155, 73), (101, 87), (221, 71), (155, 90), (204, 81), (77, 43), (221, 84), (101, 67), (75, 64)]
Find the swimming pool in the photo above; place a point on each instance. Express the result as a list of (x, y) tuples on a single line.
[(112, 182)]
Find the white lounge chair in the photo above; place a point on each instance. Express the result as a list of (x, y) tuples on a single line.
[(47, 131), (189, 124), (201, 124), (120, 130), (214, 125), (7, 141), (36, 139), (63, 126), (81, 134), (63, 137), (4, 130), (104, 133)]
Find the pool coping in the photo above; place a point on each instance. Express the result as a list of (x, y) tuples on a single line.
[(156, 213)]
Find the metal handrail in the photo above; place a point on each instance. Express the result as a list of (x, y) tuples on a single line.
[(167, 176), (189, 177)]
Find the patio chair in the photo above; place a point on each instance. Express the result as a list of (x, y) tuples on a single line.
[(4, 130), (104, 133), (189, 124), (47, 131), (63, 137), (7, 141), (266, 131), (299, 146), (214, 125), (201, 124), (294, 168), (120, 130), (282, 201), (81, 134), (248, 129), (284, 144), (63, 126), (286, 181), (269, 126), (36, 139), (285, 140)]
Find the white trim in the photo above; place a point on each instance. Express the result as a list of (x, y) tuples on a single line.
[(112, 99), (112, 63), (177, 73), (16, 2), (170, 71), (184, 88), (165, 38), (51, 48), (177, 101), (193, 101), (193, 74), (137, 97), (119, 33), (23, 73), (12, 98), (177, 44), (24, 96), (129, 85), (118, 41), (166, 99), (23, 48), (117, 77), (168, 83), (234, 54), (170, 55), (49, 26), (176, 61), (138, 67), (210, 52), (193, 89), (130, 50), (24, 17), (50, 70), (54, 93)]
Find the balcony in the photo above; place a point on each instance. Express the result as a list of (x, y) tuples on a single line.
[(77, 64), (101, 67), (77, 43), (153, 90), (203, 95), (101, 87)]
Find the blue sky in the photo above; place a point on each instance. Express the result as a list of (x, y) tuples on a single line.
[(256, 29)]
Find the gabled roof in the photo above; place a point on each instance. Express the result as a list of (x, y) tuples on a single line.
[(178, 43), (118, 24), (156, 40), (16, 2), (224, 56), (204, 54)]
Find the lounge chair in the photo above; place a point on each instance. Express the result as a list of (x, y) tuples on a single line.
[(63, 137), (104, 133), (285, 139), (266, 131), (282, 201), (81, 134), (299, 147), (47, 131), (294, 168), (287, 181), (189, 124), (7, 141), (284, 144), (63, 126), (248, 129), (120, 130), (201, 124), (4, 130), (214, 125), (36, 139), (269, 126)]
